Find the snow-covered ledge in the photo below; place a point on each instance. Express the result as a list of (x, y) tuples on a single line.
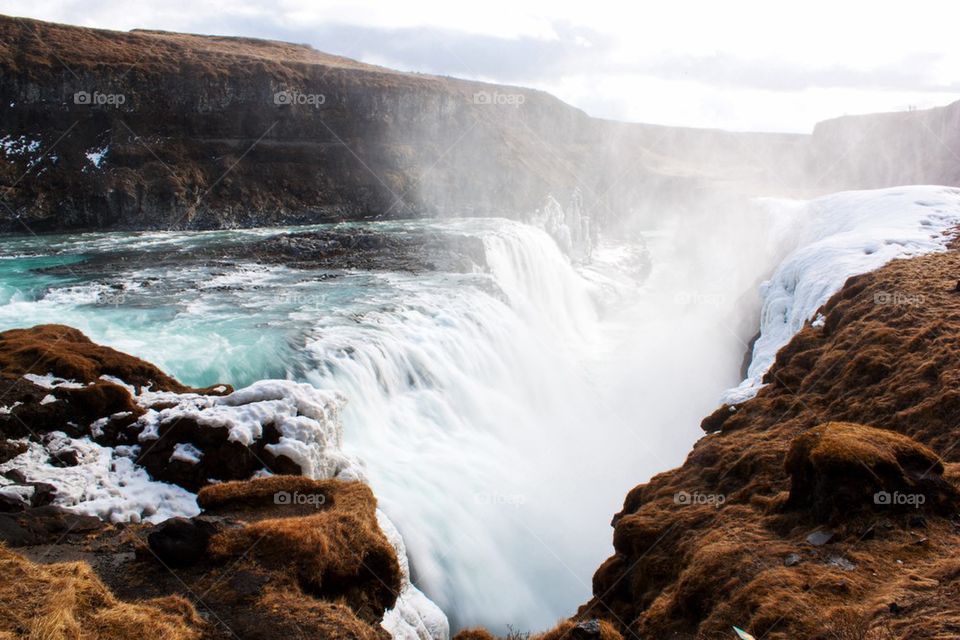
[(839, 236)]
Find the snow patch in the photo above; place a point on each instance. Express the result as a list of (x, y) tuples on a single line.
[(186, 452), (839, 236), (50, 381), (7, 410), (103, 483), (96, 156)]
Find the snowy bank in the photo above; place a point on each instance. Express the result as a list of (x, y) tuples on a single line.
[(839, 236)]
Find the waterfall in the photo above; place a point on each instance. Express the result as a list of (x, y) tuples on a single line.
[(454, 396)]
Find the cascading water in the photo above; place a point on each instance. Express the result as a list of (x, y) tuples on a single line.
[(456, 395), (502, 413)]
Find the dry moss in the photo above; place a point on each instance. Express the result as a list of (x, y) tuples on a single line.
[(839, 468), (68, 600), (333, 550), (67, 353)]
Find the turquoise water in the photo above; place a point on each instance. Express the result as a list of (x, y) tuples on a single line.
[(204, 323)]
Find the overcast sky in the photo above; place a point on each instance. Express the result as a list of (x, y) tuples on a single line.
[(771, 66)]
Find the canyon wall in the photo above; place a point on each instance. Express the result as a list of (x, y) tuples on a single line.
[(160, 130)]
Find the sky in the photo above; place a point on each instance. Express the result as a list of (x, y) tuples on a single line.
[(730, 64)]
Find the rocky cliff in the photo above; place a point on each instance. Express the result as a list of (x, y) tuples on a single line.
[(158, 130), (887, 149)]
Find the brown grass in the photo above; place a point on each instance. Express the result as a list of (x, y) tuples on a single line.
[(68, 601), (336, 551), (67, 353)]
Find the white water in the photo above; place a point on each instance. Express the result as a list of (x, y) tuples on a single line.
[(502, 415)]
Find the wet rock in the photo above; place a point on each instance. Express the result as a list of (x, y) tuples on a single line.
[(220, 459), (43, 494), (10, 450)]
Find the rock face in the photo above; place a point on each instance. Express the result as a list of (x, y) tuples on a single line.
[(827, 505), (887, 149), (159, 130)]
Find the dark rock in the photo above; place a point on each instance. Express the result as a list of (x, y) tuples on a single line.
[(714, 422), (11, 503), (65, 458), (180, 542), (10, 450), (16, 475), (43, 494)]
